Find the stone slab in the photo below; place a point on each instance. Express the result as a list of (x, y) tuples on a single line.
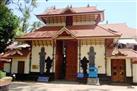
[(93, 81)]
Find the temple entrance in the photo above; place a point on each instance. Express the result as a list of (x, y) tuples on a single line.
[(118, 70), (66, 59), (21, 65)]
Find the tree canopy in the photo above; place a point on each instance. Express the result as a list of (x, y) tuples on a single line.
[(8, 23), (25, 11), (12, 25)]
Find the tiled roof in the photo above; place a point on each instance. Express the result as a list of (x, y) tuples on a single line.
[(122, 28), (4, 59), (92, 31), (127, 53), (43, 32), (106, 30), (79, 31), (16, 45), (74, 10), (16, 53), (49, 28), (38, 35)]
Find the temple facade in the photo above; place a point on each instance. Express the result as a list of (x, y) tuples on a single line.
[(59, 48)]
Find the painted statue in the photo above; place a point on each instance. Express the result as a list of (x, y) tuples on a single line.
[(91, 55), (48, 65), (42, 55), (84, 64)]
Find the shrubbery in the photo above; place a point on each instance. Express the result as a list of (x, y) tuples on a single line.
[(2, 74)]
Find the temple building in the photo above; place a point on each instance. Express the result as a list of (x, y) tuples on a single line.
[(67, 38)]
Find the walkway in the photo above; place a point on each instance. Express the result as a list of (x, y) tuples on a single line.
[(35, 86)]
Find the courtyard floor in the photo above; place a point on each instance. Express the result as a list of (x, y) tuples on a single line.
[(55, 86)]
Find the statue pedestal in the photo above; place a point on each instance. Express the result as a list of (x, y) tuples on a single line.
[(43, 79), (93, 76), (93, 81)]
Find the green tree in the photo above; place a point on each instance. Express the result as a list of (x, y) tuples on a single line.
[(25, 8), (35, 25), (8, 23), (5, 2)]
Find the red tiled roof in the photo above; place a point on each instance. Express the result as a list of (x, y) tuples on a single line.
[(74, 10), (43, 32), (123, 29), (49, 28), (4, 59), (79, 31), (15, 53), (39, 34), (127, 53), (85, 31), (92, 31)]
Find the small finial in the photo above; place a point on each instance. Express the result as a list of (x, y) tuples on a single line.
[(88, 5), (107, 22), (67, 6), (70, 6), (54, 7)]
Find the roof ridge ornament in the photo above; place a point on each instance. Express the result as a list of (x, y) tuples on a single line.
[(119, 53), (64, 29), (88, 5), (68, 8), (54, 7)]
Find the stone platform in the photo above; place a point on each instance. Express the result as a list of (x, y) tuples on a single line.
[(93, 81), (4, 83)]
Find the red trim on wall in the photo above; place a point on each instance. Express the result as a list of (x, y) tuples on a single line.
[(134, 62)]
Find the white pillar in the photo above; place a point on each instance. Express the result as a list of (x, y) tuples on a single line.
[(135, 72)]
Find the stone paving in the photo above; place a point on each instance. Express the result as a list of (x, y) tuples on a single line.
[(35, 86)]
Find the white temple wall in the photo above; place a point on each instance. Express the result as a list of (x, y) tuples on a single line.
[(7, 67), (35, 56), (14, 67), (135, 72), (99, 57)]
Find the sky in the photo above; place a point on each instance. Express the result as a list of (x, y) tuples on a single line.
[(115, 11)]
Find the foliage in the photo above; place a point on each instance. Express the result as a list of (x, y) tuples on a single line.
[(8, 23), (11, 25), (2, 74), (35, 25), (25, 8), (5, 2), (10, 1)]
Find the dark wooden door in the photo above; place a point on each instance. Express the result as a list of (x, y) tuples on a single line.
[(69, 20), (118, 70), (71, 59), (59, 56), (21, 65), (1, 65)]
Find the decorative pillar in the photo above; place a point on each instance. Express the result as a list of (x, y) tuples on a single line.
[(30, 57), (11, 66), (79, 53), (54, 58), (42, 55)]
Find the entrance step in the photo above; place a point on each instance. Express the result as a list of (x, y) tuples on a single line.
[(64, 82)]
